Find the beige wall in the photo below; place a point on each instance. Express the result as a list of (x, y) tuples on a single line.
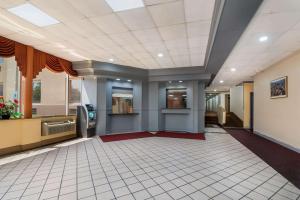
[(279, 118), (236, 101)]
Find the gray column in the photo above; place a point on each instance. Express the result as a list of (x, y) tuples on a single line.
[(101, 106)]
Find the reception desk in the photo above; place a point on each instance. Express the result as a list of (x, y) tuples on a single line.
[(23, 134)]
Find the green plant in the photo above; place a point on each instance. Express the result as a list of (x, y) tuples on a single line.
[(9, 108)]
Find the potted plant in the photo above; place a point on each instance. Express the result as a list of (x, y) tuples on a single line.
[(8, 109)]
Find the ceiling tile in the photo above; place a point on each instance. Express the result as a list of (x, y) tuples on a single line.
[(176, 44), (134, 48), (91, 8), (11, 3), (123, 39), (198, 28), (148, 36), (197, 59), (168, 13), (84, 27), (198, 9), (60, 10), (173, 32), (109, 24), (153, 2), (136, 19), (201, 41)]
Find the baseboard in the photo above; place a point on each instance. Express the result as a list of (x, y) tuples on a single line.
[(278, 142)]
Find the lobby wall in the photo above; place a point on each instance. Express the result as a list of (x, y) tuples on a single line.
[(278, 119)]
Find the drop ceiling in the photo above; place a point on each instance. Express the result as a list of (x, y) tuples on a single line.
[(278, 20), (90, 30)]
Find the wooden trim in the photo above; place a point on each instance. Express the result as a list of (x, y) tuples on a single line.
[(20, 148), (28, 84)]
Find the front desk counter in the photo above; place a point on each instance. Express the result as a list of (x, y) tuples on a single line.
[(24, 134)]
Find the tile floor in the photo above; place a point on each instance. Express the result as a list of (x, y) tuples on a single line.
[(150, 168)]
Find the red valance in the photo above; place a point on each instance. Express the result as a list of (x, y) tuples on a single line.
[(41, 59)]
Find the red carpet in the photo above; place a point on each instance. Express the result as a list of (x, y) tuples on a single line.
[(128, 136), (125, 136), (195, 136), (283, 160)]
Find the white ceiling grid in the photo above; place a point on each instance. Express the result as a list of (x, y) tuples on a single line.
[(89, 29), (279, 20)]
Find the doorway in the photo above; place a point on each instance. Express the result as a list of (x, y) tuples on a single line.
[(251, 110)]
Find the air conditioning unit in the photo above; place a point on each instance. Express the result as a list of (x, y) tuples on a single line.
[(56, 127)]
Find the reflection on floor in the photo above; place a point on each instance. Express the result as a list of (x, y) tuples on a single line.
[(149, 168)]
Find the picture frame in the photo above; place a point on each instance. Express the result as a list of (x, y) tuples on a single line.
[(279, 88)]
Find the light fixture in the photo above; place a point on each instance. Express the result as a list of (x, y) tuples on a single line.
[(128, 80), (118, 5), (233, 69), (221, 81), (33, 15), (263, 38), (171, 95), (170, 81), (160, 55), (180, 81), (118, 79), (111, 60), (215, 90)]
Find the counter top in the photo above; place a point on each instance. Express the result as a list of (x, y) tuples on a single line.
[(176, 111), (118, 114)]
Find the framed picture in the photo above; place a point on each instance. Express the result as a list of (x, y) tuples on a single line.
[(279, 88)]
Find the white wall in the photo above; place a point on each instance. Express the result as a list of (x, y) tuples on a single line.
[(236, 101), (279, 118)]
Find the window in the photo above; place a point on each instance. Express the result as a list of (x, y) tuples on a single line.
[(9, 79), (122, 100), (176, 98), (74, 95), (49, 94), (1, 89), (36, 91)]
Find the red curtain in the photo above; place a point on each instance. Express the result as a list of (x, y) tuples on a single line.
[(41, 59)]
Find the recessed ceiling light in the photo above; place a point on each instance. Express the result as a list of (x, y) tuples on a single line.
[(160, 55), (33, 14), (180, 81), (215, 90), (111, 60), (263, 38), (118, 79), (129, 80), (118, 5), (233, 69), (221, 81)]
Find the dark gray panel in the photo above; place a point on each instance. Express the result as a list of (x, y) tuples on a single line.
[(234, 19)]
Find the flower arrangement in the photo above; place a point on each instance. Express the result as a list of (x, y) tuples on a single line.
[(8, 109)]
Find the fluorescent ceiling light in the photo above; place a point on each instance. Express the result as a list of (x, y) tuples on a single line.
[(120, 5), (233, 69), (32, 14), (129, 80), (263, 38), (118, 79), (111, 60), (221, 81), (180, 81)]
